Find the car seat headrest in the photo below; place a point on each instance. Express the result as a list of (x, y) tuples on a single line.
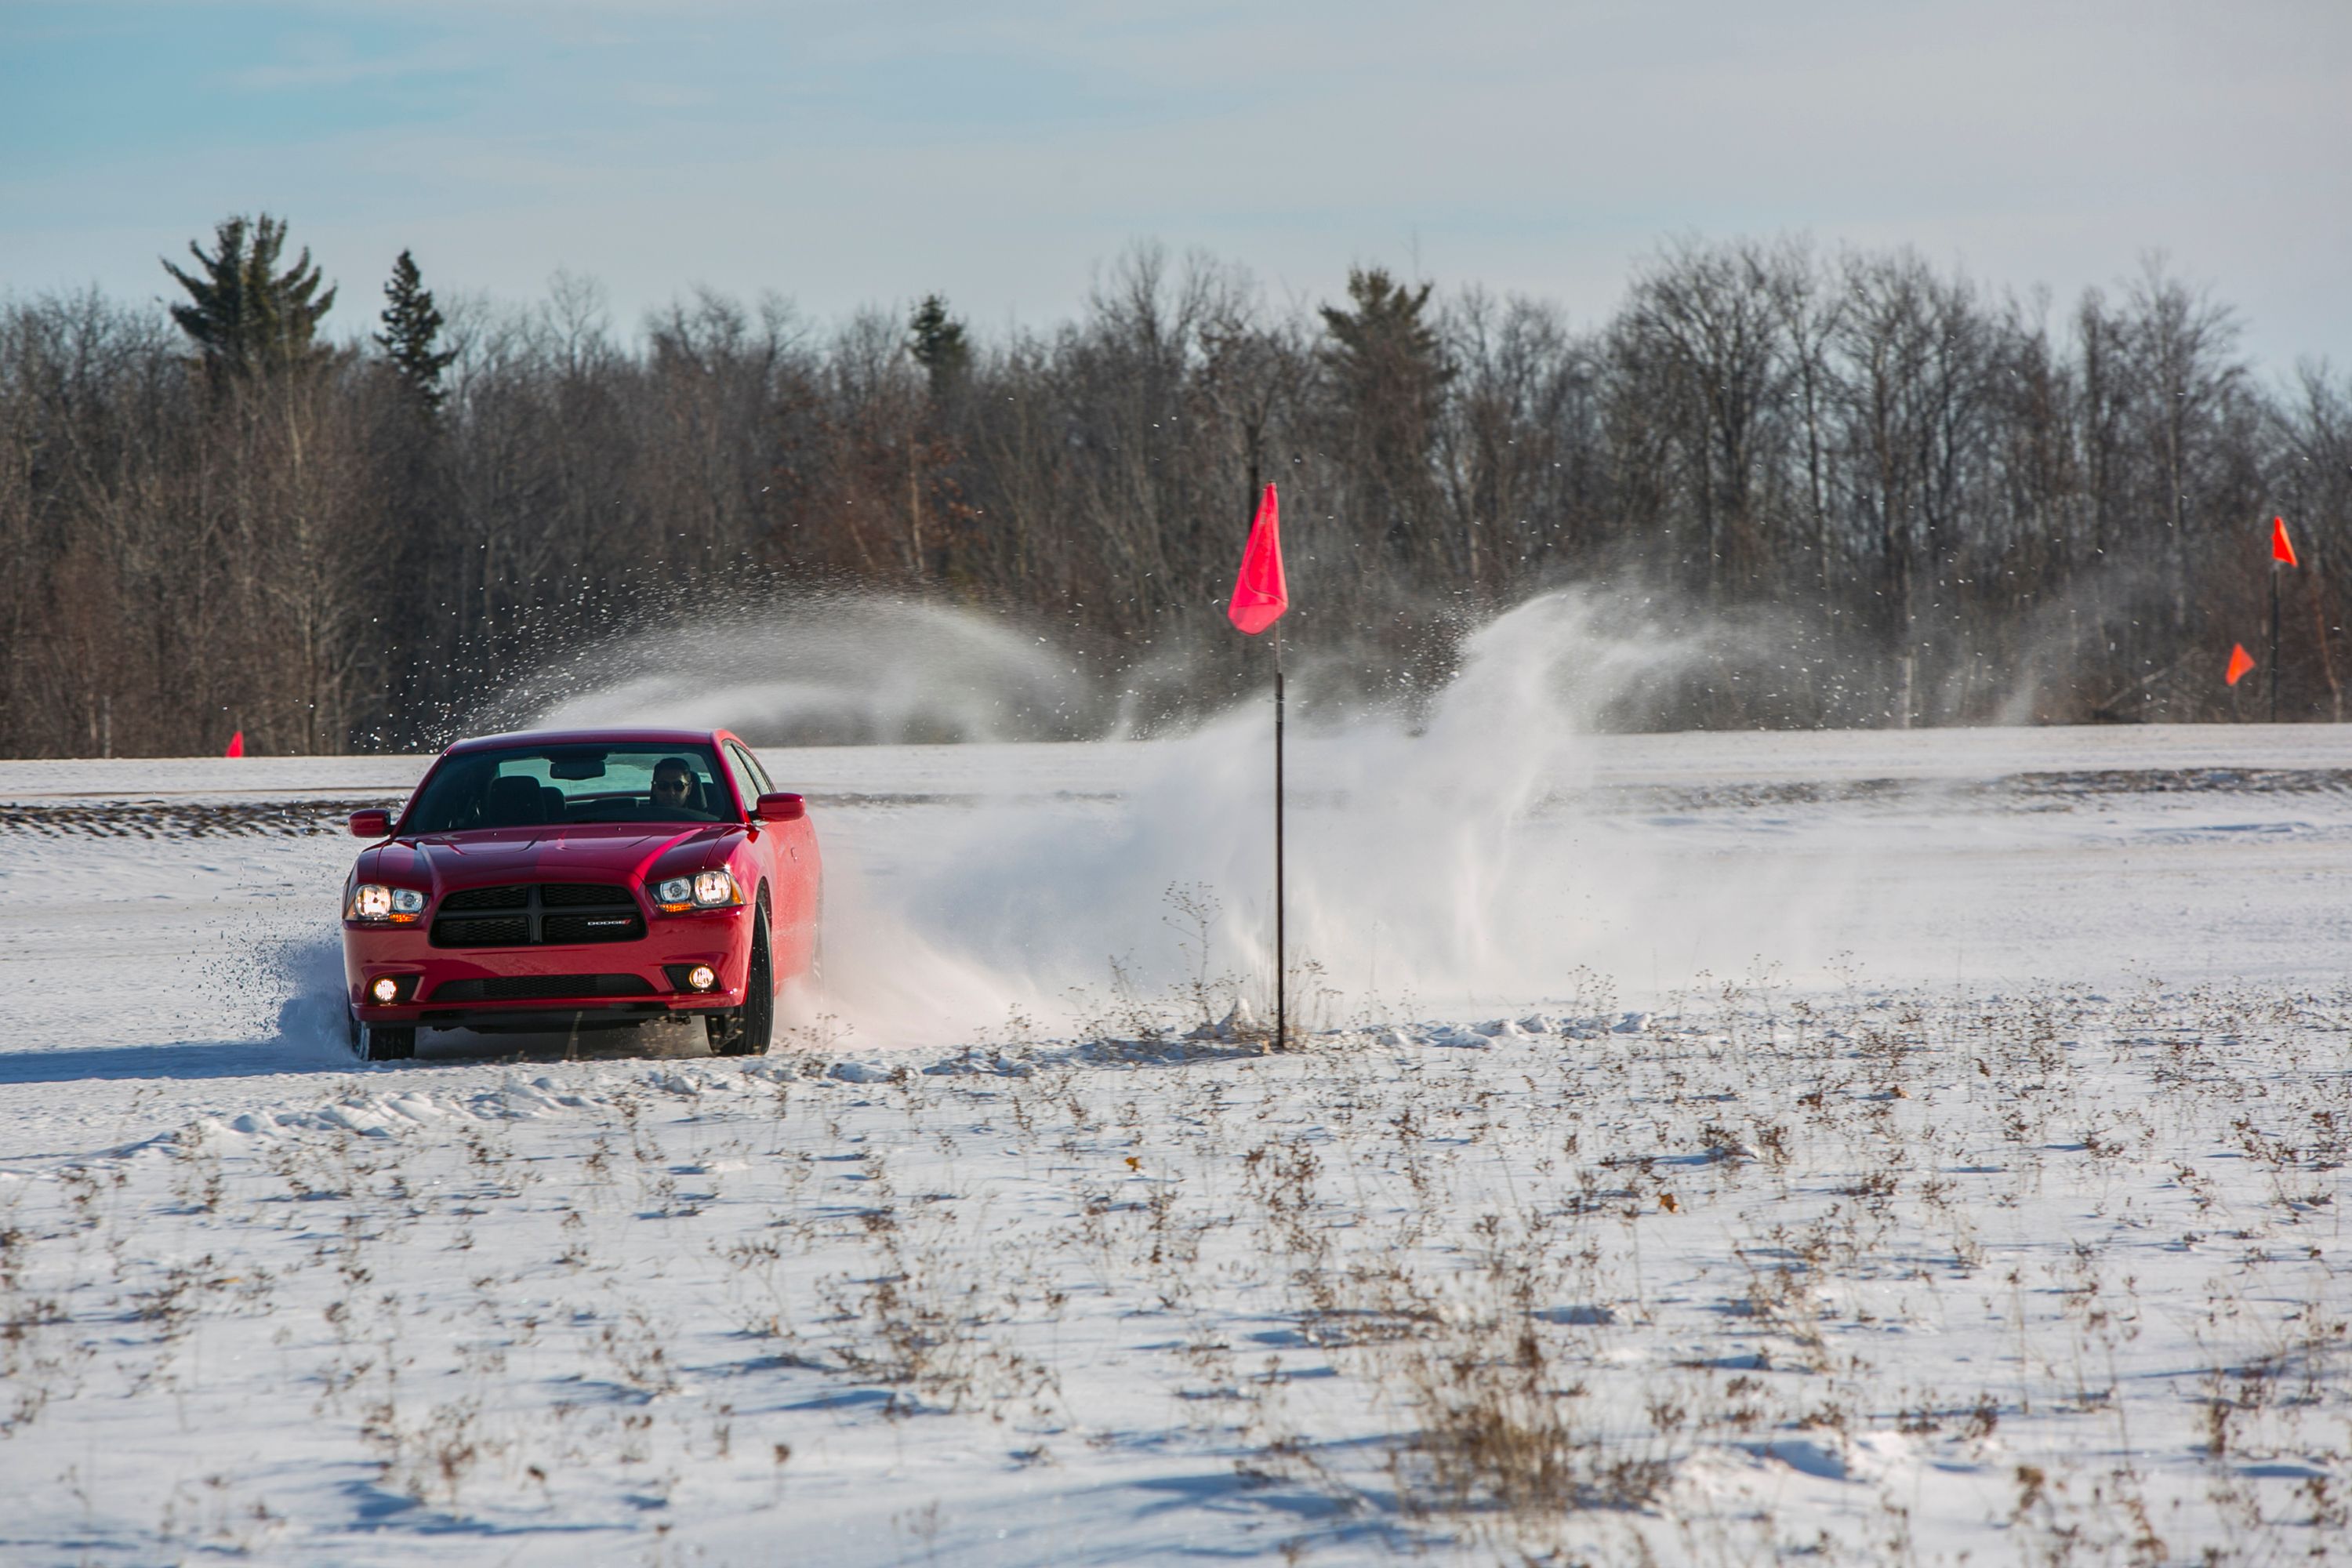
[(514, 803)]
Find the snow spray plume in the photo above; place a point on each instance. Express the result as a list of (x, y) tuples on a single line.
[(1410, 873), (817, 670), (280, 988), (309, 972)]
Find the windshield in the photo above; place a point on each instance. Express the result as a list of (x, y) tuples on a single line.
[(532, 787)]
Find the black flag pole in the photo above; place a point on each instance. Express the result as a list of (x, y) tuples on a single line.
[(1281, 976), (2274, 640)]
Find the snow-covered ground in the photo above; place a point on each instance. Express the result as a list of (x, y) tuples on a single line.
[(1849, 1147)]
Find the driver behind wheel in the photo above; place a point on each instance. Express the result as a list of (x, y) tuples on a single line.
[(675, 785)]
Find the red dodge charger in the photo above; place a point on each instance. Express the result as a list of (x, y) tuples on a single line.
[(581, 879)]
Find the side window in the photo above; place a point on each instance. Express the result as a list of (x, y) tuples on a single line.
[(749, 776)]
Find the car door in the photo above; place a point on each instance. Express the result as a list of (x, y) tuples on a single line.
[(780, 848)]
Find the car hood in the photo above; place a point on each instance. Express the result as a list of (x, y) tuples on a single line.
[(619, 852)]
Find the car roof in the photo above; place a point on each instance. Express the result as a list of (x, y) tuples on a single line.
[(612, 735)]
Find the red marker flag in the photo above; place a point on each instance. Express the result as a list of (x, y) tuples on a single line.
[(2280, 549), (1260, 594), (235, 745), (2241, 663)]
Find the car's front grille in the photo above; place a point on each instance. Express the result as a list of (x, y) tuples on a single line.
[(538, 987), (570, 895), (524, 915), (487, 899), (491, 930)]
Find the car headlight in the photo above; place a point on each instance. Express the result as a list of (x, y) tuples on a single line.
[(380, 905), (703, 891)]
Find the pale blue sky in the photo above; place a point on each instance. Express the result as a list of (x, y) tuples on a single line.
[(845, 154)]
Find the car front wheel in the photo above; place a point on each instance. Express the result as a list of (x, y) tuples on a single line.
[(744, 1031), (383, 1042)]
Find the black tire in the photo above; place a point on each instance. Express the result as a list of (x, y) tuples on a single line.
[(384, 1042), (745, 1031)]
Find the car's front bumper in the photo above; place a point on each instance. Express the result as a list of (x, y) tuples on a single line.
[(549, 986)]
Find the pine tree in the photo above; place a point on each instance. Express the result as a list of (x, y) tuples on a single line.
[(1390, 367), (1383, 347), (937, 341), (247, 317), (411, 333)]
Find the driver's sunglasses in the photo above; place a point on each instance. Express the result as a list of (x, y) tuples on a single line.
[(670, 783)]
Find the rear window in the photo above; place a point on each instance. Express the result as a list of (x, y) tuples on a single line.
[(532, 787)]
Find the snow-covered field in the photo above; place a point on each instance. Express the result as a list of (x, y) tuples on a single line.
[(1853, 1147)]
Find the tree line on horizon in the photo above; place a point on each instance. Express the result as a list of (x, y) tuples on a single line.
[(1923, 499)]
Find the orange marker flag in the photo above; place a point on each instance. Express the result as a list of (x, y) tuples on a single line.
[(1260, 595), (235, 745), (2280, 549), (2241, 663)]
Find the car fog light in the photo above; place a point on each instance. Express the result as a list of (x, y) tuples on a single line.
[(702, 977), (385, 990)]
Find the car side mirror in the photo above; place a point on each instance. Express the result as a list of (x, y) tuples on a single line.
[(371, 825), (780, 807)]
